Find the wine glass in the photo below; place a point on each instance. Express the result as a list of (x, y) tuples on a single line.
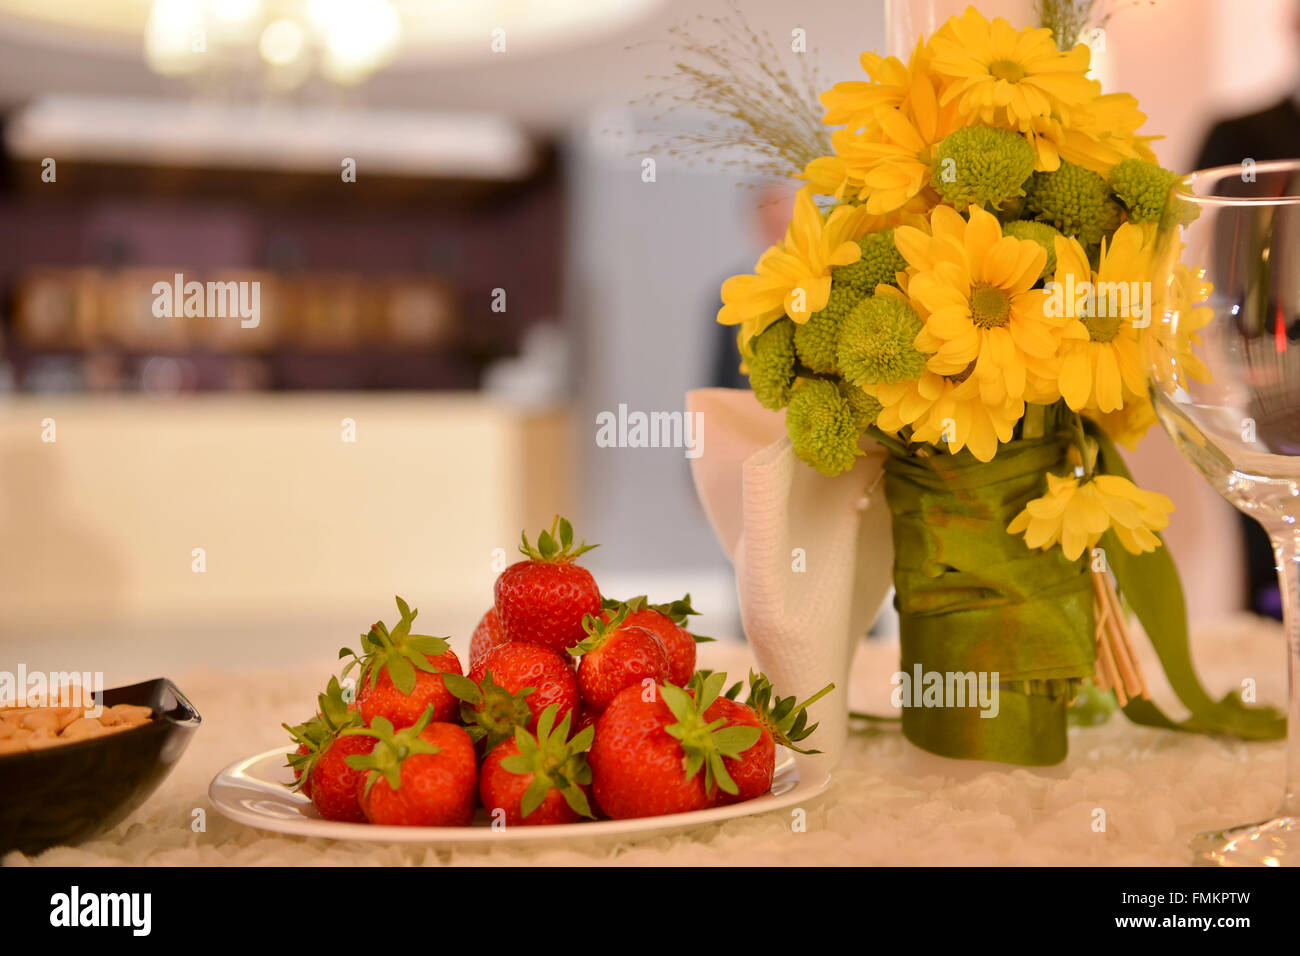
[(1223, 362)]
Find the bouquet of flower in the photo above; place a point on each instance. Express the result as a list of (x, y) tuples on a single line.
[(964, 281)]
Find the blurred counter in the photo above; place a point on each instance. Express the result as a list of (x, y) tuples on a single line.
[(117, 510)]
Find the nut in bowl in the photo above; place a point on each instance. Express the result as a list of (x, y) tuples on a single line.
[(64, 789)]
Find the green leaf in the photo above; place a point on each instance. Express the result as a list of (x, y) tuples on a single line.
[(734, 741), (1150, 585), (577, 801), (678, 701), (402, 673), (462, 688), (535, 794)]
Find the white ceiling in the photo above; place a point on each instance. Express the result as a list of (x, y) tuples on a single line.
[(549, 77)]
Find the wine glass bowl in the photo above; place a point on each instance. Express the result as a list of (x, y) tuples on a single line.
[(1223, 363)]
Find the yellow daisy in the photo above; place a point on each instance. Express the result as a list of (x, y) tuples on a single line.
[(1006, 77), (1098, 135), (853, 104), (972, 287), (794, 277), (1130, 424), (888, 164), (947, 411), (1076, 512), (1100, 359)]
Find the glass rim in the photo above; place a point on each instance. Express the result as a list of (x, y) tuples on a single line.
[(1184, 188)]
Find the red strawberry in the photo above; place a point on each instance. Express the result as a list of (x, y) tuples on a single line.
[(487, 635), (544, 599), (538, 779), (402, 673), (424, 775), (320, 762), (661, 755), (517, 666), (666, 622), (752, 770), (615, 656), (586, 718)]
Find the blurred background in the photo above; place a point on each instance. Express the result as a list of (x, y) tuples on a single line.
[(461, 262)]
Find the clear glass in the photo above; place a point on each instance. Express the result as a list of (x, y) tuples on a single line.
[(1223, 354)]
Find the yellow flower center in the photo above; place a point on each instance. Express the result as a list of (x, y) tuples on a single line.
[(1101, 328), (1008, 70), (990, 307)]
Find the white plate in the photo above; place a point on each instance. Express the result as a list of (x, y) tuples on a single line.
[(256, 791)]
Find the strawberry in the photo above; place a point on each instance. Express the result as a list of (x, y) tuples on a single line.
[(586, 718), (666, 622), (782, 722), (544, 599), (655, 752), (402, 673), (519, 666), (489, 711), (615, 656), (486, 636), (424, 775), (752, 770), (320, 762), (539, 779)]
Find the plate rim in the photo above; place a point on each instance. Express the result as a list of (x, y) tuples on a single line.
[(311, 828)]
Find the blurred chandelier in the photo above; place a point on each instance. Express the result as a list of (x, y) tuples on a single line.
[(345, 41)]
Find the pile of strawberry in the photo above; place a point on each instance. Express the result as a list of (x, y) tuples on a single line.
[(574, 707)]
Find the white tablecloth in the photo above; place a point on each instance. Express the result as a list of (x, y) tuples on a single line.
[(888, 803)]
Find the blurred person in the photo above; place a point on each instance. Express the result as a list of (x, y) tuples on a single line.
[(1270, 133), (773, 209)]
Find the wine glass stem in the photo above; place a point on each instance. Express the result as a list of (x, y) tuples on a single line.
[(1286, 547)]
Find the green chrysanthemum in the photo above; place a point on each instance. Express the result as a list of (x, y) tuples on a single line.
[(880, 263), (876, 343), (817, 339), (982, 165), (1076, 201), (1039, 232), (771, 369), (865, 407), (1143, 188), (823, 426)]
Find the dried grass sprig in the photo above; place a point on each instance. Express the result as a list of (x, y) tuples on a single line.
[(762, 117)]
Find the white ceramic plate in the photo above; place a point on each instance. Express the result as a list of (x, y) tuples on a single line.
[(256, 791)]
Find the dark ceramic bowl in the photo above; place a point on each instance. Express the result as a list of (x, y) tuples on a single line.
[(71, 792)]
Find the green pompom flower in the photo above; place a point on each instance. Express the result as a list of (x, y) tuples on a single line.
[(817, 339), (982, 165), (1039, 232), (823, 426), (876, 343), (771, 369), (1143, 188), (865, 407), (880, 263), (1076, 201)]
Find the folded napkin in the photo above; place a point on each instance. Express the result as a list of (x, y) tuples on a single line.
[(813, 555)]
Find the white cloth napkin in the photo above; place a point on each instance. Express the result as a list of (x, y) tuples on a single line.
[(813, 555)]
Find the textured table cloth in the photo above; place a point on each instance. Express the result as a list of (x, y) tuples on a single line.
[(889, 803)]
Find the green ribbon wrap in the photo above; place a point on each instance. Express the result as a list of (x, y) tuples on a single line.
[(973, 598)]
